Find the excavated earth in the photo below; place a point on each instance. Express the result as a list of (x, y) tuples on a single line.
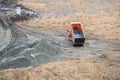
[(38, 49), (19, 49)]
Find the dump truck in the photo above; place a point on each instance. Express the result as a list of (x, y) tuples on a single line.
[(75, 34)]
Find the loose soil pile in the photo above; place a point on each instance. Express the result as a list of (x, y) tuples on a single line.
[(18, 49)]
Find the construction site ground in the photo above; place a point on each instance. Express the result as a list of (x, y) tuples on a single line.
[(38, 49)]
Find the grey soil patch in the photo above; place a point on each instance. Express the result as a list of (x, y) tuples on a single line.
[(20, 50)]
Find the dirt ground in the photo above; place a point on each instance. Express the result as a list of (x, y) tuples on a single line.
[(42, 44)]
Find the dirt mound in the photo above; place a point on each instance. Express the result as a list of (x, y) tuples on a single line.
[(35, 53), (18, 49), (8, 2), (23, 17)]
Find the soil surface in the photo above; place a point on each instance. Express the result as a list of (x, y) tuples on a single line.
[(43, 41)]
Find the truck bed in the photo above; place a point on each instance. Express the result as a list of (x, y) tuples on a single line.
[(78, 34)]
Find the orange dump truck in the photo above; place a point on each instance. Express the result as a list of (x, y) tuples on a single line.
[(75, 34)]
